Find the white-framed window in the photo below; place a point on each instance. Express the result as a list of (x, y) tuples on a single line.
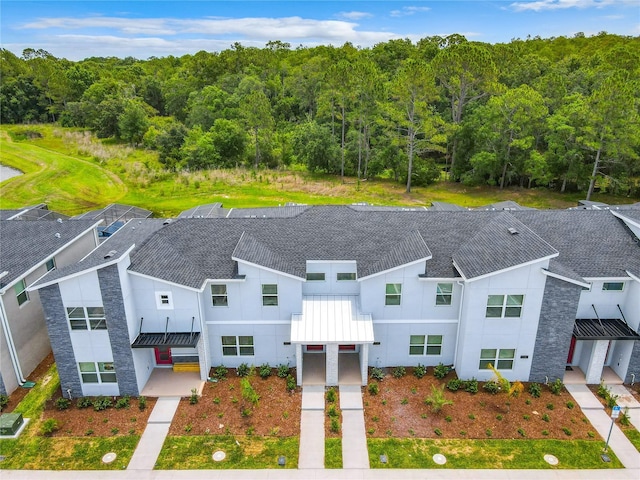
[(417, 345), (613, 286), (51, 264), (501, 358), (345, 277), (233, 346), (21, 292), (444, 293), (393, 294), (164, 300), (269, 294), (315, 276), (219, 295), (85, 318), (504, 306), (97, 372)]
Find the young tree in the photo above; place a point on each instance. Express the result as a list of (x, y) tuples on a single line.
[(133, 122)]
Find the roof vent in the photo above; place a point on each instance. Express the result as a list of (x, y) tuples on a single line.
[(57, 235), (59, 220), (110, 254), (513, 231), (167, 221)]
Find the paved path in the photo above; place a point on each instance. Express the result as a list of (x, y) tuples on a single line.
[(354, 438), (627, 401), (311, 428), (594, 411), (146, 453)]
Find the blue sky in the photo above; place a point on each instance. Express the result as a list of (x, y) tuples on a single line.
[(142, 28)]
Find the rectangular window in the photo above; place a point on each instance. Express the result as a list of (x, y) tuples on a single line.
[(270, 295), (345, 277), (434, 344), (107, 372), (88, 372), (393, 294), (77, 319), (104, 373), (444, 293), (416, 345), (97, 320), (613, 286), (164, 301), (51, 264), (502, 359), (81, 318), (219, 295), (315, 277), (234, 346), (508, 306), (21, 292)]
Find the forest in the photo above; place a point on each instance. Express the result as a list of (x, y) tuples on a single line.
[(561, 113)]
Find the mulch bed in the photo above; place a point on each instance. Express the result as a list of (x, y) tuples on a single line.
[(220, 409), (399, 410)]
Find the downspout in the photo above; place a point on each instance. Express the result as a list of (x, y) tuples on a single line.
[(12, 347), (455, 351), (203, 333)]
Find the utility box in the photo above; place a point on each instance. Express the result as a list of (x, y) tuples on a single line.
[(10, 423)]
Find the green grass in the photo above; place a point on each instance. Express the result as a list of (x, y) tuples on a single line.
[(194, 452), (32, 404), (634, 436), (499, 454), (333, 453)]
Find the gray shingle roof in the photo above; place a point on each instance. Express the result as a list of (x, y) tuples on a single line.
[(253, 251), (6, 214), (210, 210), (23, 245), (268, 212), (632, 213), (556, 267)]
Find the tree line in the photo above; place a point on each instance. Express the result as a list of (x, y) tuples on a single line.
[(559, 112)]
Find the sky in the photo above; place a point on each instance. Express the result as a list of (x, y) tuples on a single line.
[(75, 29)]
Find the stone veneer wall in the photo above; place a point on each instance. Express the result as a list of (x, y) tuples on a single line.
[(56, 320), (113, 303), (634, 364), (555, 327)]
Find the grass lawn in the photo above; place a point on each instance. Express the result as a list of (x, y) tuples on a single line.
[(332, 453), (501, 454), (633, 435), (242, 452)]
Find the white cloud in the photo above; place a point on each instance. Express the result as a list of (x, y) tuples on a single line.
[(540, 5), (406, 11), (354, 15)]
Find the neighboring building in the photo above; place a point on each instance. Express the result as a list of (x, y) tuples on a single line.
[(528, 291), (33, 241)]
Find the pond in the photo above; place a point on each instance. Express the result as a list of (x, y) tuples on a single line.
[(7, 172)]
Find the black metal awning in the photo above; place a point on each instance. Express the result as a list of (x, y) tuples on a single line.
[(603, 329), (173, 340)]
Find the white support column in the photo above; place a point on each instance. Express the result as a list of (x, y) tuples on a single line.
[(596, 361), (364, 363), (332, 364), (299, 363)]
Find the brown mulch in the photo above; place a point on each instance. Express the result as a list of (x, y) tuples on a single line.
[(220, 409), (19, 393), (399, 410)]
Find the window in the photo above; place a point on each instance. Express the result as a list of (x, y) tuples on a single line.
[(613, 286), (234, 346), (509, 306), (270, 295), (504, 360), (104, 373), (344, 277), (393, 294), (315, 277), (51, 264), (21, 292), (83, 319), (219, 295), (164, 301), (444, 293), (433, 345)]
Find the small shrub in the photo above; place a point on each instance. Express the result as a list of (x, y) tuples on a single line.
[(371, 431), (611, 401), (234, 400), (471, 386), (448, 419), (399, 372), (331, 395), (556, 387), (84, 402), (188, 427), (550, 406), (438, 432), (4, 401), (273, 432), (521, 432), (423, 415), (373, 388), (221, 372), (142, 403), (624, 418), (498, 417), (332, 411), (603, 391), (412, 432), (193, 398), (570, 405), (248, 392), (471, 416), (488, 432), (114, 431), (123, 402), (285, 415), (591, 434), (404, 401), (454, 384), (566, 431), (246, 412), (220, 414), (282, 371), (535, 390), (102, 403), (216, 400), (265, 370), (440, 371), (335, 425), (384, 402), (463, 433), (89, 432), (491, 387), (414, 390), (249, 431), (545, 432), (291, 383), (527, 401), (243, 370), (63, 403), (545, 418), (49, 426), (419, 371), (526, 417), (377, 374), (436, 399), (376, 418)]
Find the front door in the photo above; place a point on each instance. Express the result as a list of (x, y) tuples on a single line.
[(163, 356), (572, 349)]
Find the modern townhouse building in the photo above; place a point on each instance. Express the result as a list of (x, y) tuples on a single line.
[(532, 292)]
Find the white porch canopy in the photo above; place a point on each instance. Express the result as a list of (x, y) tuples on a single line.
[(331, 319)]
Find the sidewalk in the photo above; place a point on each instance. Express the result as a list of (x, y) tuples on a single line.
[(311, 453), (627, 401), (354, 439)]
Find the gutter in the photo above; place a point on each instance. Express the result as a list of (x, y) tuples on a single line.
[(455, 351)]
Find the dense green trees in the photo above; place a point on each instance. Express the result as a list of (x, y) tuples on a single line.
[(560, 112)]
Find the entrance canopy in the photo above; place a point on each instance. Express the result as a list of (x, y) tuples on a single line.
[(331, 319), (603, 329), (173, 340)]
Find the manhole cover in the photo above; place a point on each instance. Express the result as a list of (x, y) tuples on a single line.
[(109, 457), (218, 456), (439, 459), (551, 459)]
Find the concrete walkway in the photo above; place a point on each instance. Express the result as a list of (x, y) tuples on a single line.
[(627, 401), (146, 453), (594, 411), (354, 438), (311, 453)]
